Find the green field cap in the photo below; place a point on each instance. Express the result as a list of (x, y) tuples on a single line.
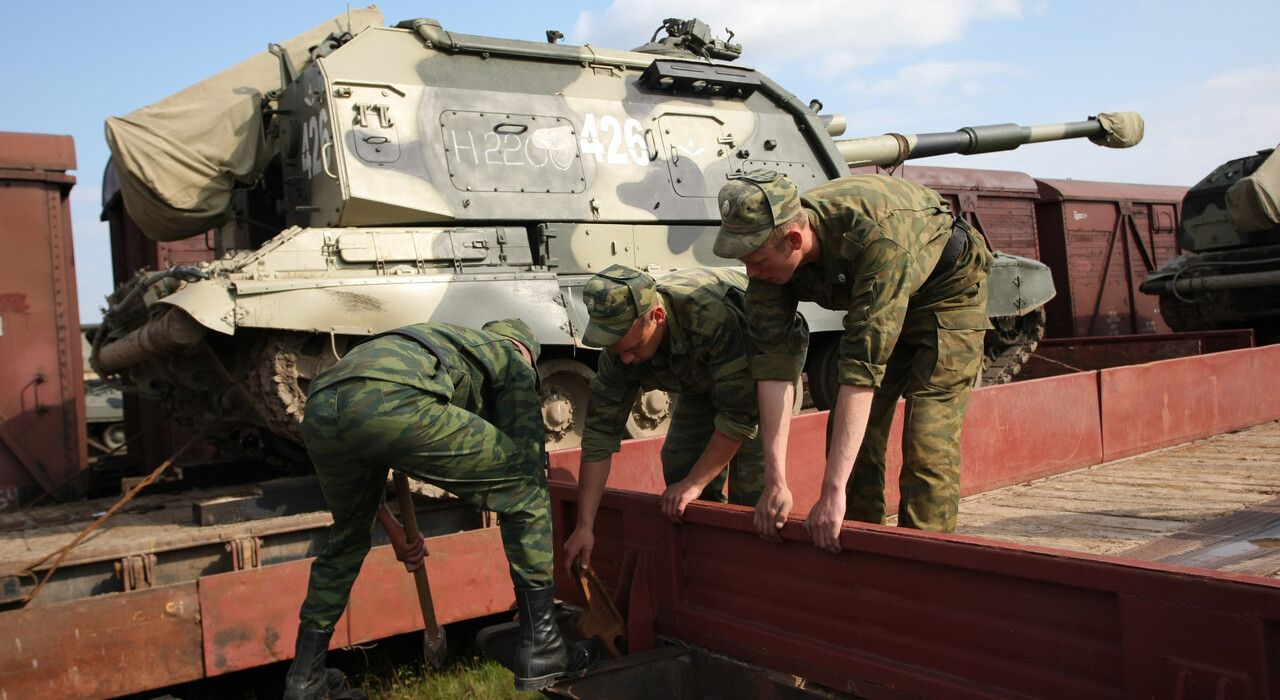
[(615, 298), (751, 205), (518, 331)]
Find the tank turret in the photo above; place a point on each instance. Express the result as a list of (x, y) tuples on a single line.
[(361, 177), (1229, 275)]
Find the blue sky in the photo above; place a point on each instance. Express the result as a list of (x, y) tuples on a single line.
[(1207, 81)]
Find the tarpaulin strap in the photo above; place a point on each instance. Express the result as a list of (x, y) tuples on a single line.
[(62, 553)]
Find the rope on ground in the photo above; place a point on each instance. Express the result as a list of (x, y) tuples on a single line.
[(1055, 362), (62, 553)]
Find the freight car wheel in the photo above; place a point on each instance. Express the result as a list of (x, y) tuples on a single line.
[(566, 384)]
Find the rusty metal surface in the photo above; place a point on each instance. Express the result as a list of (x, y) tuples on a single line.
[(102, 647), (32, 152), (1101, 239), (42, 430), (904, 614), (250, 617), (1000, 203)]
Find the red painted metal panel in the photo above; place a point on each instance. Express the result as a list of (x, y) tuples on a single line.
[(42, 427), (37, 152), (636, 467), (1266, 370), (101, 647), (250, 618), (1145, 407), (1012, 433), (905, 614), (1028, 430)]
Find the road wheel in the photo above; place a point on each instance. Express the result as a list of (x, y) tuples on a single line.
[(651, 415), (824, 356), (113, 436), (566, 384)]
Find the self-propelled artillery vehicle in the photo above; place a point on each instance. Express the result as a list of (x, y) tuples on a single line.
[(361, 177), (1229, 275)]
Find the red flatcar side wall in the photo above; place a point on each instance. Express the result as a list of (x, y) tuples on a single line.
[(42, 429), (1101, 239)]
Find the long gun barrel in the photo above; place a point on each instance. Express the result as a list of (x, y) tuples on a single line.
[(1113, 130)]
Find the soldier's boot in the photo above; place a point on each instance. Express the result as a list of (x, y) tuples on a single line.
[(308, 679), (543, 655)]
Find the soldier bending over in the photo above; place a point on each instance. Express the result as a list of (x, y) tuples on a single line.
[(912, 280), (686, 333), (454, 407)]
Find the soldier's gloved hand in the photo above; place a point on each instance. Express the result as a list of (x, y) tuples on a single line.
[(410, 553)]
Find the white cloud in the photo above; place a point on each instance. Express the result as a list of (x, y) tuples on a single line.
[(823, 37)]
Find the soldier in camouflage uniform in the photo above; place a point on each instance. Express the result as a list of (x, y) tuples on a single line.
[(686, 334), (912, 279), (454, 407)]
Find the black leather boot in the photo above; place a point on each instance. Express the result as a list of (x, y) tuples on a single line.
[(308, 679), (543, 655)]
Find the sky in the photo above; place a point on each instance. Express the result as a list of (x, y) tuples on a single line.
[(1207, 81)]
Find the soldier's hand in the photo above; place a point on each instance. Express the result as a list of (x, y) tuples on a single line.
[(771, 512), (825, 519), (411, 554), (580, 543), (676, 497)]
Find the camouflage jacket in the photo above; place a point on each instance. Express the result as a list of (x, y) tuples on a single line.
[(880, 238), (705, 352), (481, 365)]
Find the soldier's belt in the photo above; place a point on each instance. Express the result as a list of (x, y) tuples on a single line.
[(954, 249)]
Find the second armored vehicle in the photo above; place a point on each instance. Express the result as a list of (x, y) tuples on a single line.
[(1230, 275)]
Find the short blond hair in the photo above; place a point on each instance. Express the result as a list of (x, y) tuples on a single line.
[(778, 236)]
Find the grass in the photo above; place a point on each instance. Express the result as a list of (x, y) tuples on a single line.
[(477, 677), (394, 669), (391, 669)]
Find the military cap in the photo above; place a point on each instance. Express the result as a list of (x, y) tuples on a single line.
[(751, 206), (615, 298), (518, 331)]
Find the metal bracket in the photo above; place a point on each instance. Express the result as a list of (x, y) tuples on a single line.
[(246, 553), (136, 571)]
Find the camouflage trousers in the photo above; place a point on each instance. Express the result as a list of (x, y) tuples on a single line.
[(692, 425), (934, 366), (357, 430)]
